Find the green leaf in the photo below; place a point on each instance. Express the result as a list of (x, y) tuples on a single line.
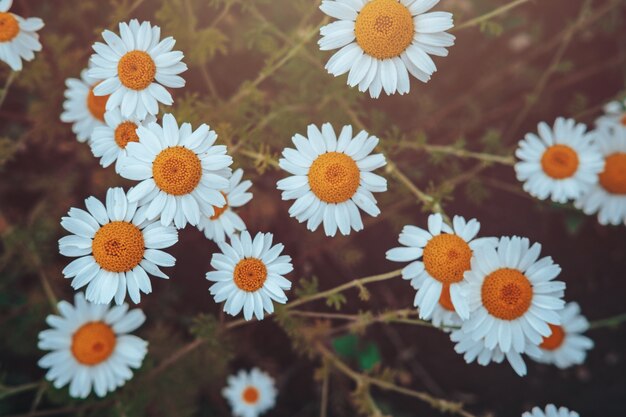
[(346, 346), (369, 357)]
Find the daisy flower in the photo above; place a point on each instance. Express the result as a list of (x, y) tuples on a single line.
[(250, 394), (608, 197), (566, 346), (91, 348), (614, 115), (381, 41), (115, 248), (512, 295), (332, 178), (109, 142), (445, 254), (182, 172), (249, 275), (225, 222), (18, 37), (561, 163), (135, 68), (550, 411)]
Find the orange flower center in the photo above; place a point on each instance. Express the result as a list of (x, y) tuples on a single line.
[(218, 211), (250, 395), (384, 28), (334, 177), (250, 274), (118, 246), (506, 293), (126, 132), (555, 340), (9, 27), (136, 70), (445, 300), (177, 170), (96, 104), (93, 343), (559, 162), (613, 178), (446, 257), (623, 119)]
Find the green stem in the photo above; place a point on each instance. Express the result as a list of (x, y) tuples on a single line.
[(608, 322), (7, 86), (496, 12)]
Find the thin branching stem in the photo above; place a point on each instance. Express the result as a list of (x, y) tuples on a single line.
[(7, 86), (487, 16)]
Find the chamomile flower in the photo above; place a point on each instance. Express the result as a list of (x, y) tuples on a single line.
[(250, 394), (614, 115), (512, 294), (109, 142), (445, 254), (225, 222), (550, 411), (91, 348), (18, 37), (566, 346), (182, 172), (332, 178), (115, 247), (135, 68), (561, 163), (82, 107), (249, 275), (608, 197), (381, 42)]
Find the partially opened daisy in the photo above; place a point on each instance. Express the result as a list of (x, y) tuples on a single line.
[(135, 68), (18, 37), (566, 346), (82, 107), (250, 394), (614, 115), (381, 42), (561, 163), (225, 221), (115, 247), (91, 348), (182, 172), (445, 254), (332, 178), (249, 275), (550, 411), (109, 142), (512, 294), (608, 196)]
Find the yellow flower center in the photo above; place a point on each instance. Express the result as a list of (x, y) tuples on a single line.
[(250, 395), (334, 177), (559, 162), (445, 300), (447, 257), (506, 293), (250, 274), (126, 132), (96, 104), (613, 178), (93, 343), (555, 340), (136, 70), (9, 27), (218, 211), (177, 170), (118, 246), (384, 28)]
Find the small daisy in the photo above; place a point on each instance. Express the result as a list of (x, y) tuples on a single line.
[(249, 275), (513, 296), (381, 41), (445, 254), (566, 346), (250, 394), (608, 197), (91, 347), (551, 411), (332, 178), (18, 37), (561, 163), (614, 115), (82, 107), (109, 142), (225, 221), (115, 248), (135, 69), (182, 172)]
